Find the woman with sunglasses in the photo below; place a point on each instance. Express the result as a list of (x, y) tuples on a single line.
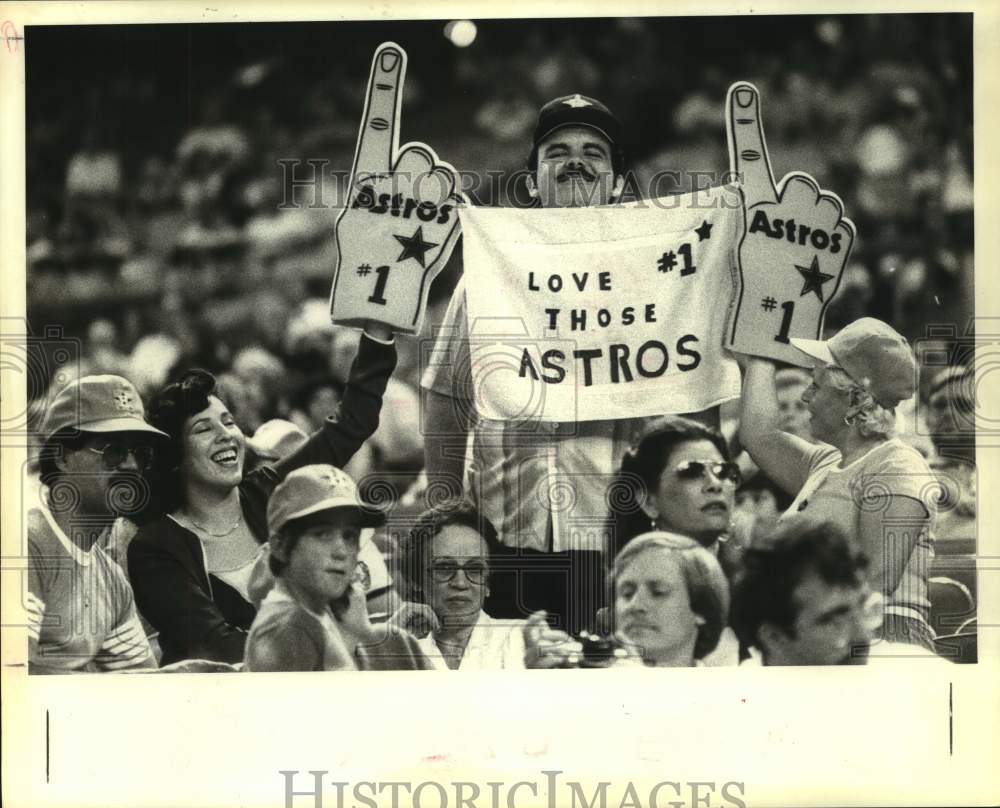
[(678, 477), (446, 560), (191, 561), (869, 483)]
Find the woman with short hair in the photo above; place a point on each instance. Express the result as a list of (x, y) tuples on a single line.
[(447, 560), (671, 599)]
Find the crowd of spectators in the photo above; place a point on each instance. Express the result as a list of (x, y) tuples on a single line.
[(166, 227)]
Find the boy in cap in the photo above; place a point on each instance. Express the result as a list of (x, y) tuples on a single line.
[(82, 615), (315, 617)]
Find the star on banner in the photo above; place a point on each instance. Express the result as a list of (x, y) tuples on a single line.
[(814, 279), (414, 247), (704, 232)]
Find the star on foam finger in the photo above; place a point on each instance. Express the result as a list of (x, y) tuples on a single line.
[(814, 279), (414, 247)]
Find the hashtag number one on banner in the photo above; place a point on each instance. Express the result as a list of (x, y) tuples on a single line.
[(794, 248)]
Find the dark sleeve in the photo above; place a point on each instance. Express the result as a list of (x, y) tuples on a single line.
[(171, 596), (342, 434)]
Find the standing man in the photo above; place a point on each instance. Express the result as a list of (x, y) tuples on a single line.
[(82, 615), (522, 475)]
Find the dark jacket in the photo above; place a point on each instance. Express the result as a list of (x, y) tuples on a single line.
[(199, 616)]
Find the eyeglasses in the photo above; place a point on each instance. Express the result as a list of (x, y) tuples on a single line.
[(444, 571), (724, 470), (114, 454)]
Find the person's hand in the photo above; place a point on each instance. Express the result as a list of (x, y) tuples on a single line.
[(795, 247), (546, 647), (400, 223), (355, 617), (416, 618), (378, 330)]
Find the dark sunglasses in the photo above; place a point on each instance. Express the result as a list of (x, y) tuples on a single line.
[(724, 470), (114, 454), (444, 571)]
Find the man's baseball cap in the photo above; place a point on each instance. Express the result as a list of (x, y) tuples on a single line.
[(97, 404), (316, 488), (579, 110), (874, 354)]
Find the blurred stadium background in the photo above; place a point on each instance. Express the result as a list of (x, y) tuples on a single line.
[(157, 239), (153, 184)]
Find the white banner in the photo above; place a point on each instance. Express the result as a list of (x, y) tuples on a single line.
[(579, 314)]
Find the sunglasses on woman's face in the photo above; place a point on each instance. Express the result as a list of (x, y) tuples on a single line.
[(722, 469), (114, 454)]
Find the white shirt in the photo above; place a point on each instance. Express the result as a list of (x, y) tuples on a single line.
[(493, 645)]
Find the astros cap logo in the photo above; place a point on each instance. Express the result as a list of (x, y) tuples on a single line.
[(577, 101), (123, 398)]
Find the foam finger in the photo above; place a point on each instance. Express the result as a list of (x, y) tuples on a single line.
[(378, 138), (748, 157)]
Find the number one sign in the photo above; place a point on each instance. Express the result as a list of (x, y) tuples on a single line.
[(401, 219), (794, 248)]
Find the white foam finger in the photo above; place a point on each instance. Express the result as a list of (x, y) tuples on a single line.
[(378, 138), (748, 157)]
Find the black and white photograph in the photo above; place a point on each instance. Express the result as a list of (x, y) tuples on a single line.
[(341, 349)]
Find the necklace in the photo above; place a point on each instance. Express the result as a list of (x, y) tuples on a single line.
[(207, 532)]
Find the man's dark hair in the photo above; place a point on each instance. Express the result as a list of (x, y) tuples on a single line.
[(763, 589), (415, 548)]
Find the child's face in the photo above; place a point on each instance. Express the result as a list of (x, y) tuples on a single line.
[(322, 563)]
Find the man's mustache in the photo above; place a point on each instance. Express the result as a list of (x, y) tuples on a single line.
[(577, 171)]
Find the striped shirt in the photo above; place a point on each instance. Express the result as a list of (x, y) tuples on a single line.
[(81, 612), (543, 485)]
